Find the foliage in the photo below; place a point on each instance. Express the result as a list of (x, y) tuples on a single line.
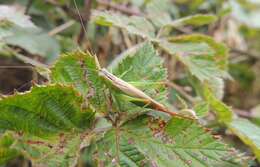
[(150, 106), (7, 153), (144, 141), (57, 109), (17, 29), (248, 132)]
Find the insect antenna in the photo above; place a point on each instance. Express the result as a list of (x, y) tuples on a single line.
[(83, 21)]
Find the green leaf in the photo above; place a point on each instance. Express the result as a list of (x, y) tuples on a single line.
[(194, 20), (204, 58), (187, 48), (133, 24), (6, 152), (211, 92), (18, 30), (158, 12), (201, 109), (6, 139), (149, 142), (35, 41), (150, 79), (216, 86), (63, 150), (204, 68), (45, 110), (223, 112), (111, 147), (248, 132), (5, 31), (219, 49), (15, 16), (82, 71)]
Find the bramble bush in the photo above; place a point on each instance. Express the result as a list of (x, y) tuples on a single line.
[(122, 114)]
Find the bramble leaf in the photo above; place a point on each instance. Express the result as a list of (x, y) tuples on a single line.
[(248, 132), (204, 58), (133, 24), (35, 41), (203, 67), (223, 112), (150, 79), (187, 48), (7, 153), (201, 109), (194, 20), (44, 111), (11, 14), (17, 29), (158, 12), (63, 150), (81, 70), (219, 50), (150, 142)]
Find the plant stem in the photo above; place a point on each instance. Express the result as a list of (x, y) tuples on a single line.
[(28, 6), (61, 28), (181, 91), (241, 52)]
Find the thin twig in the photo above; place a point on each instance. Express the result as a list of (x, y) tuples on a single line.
[(23, 58), (61, 28), (126, 39), (181, 91), (16, 67), (241, 52), (28, 6), (244, 114), (184, 30), (31, 61)]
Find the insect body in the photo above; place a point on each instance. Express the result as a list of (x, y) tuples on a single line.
[(133, 91), (137, 93)]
